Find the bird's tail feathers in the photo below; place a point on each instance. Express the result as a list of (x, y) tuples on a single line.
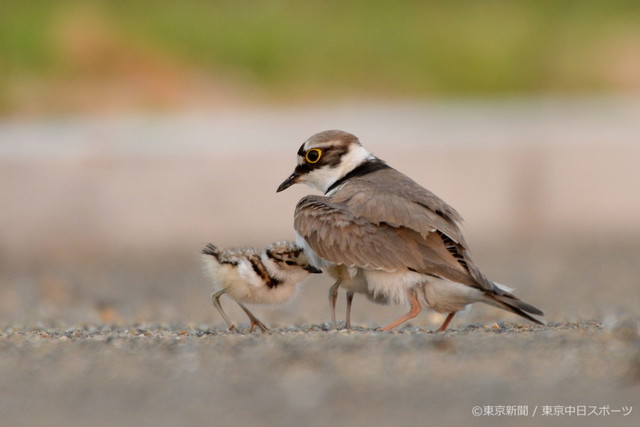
[(212, 250), (511, 303)]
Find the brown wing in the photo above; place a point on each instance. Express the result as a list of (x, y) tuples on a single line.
[(399, 201), (402, 203), (337, 235)]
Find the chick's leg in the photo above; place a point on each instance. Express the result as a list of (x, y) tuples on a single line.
[(215, 299), (349, 302), (254, 320), (333, 296)]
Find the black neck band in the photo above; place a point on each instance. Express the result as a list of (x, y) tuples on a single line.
[(362, 169)]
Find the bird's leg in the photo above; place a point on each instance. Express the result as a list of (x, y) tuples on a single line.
[(413, 312), (215, 299), (347, 324), (254, 320), (333, 296), (446, 322)]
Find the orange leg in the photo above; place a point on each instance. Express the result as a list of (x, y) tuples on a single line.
[(446, 322), (415, 309), (254, 320)]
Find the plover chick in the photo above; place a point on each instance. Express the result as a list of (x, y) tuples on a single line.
[(252, 276), (376, 225)]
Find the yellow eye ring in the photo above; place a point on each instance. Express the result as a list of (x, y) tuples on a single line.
[(313, 155)]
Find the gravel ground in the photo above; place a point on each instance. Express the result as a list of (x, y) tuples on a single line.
[(150, 374)]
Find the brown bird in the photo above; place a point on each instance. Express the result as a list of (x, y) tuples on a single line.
[(378, 232)]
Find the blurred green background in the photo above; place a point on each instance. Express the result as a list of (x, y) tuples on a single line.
[(70, 56)]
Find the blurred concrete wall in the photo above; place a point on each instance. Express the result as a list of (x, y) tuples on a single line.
[(512, 169)]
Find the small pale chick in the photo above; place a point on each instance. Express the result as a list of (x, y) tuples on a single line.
[(252, 276)]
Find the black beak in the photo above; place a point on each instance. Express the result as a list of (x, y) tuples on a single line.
[(293, 178), (311, 269)]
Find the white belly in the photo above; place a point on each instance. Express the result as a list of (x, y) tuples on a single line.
[(445, 296), (266, 295), (392, 286)]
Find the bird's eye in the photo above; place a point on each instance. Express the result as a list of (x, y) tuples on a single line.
[(289, 262), (313, 155)]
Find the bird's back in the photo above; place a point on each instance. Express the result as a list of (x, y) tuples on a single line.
[(389, 196)]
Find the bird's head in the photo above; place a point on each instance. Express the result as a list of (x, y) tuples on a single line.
[(325, 158), (286, 260)]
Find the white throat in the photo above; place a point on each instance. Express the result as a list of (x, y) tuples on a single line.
[(326, 176)]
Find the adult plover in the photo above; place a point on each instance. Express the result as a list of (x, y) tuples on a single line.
[(378, 232)]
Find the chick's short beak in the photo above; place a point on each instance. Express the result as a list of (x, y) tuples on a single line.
[(312, 269), (293, 178)]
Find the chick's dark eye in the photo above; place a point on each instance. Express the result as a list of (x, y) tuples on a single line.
[(289, 262), (313, 155)]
